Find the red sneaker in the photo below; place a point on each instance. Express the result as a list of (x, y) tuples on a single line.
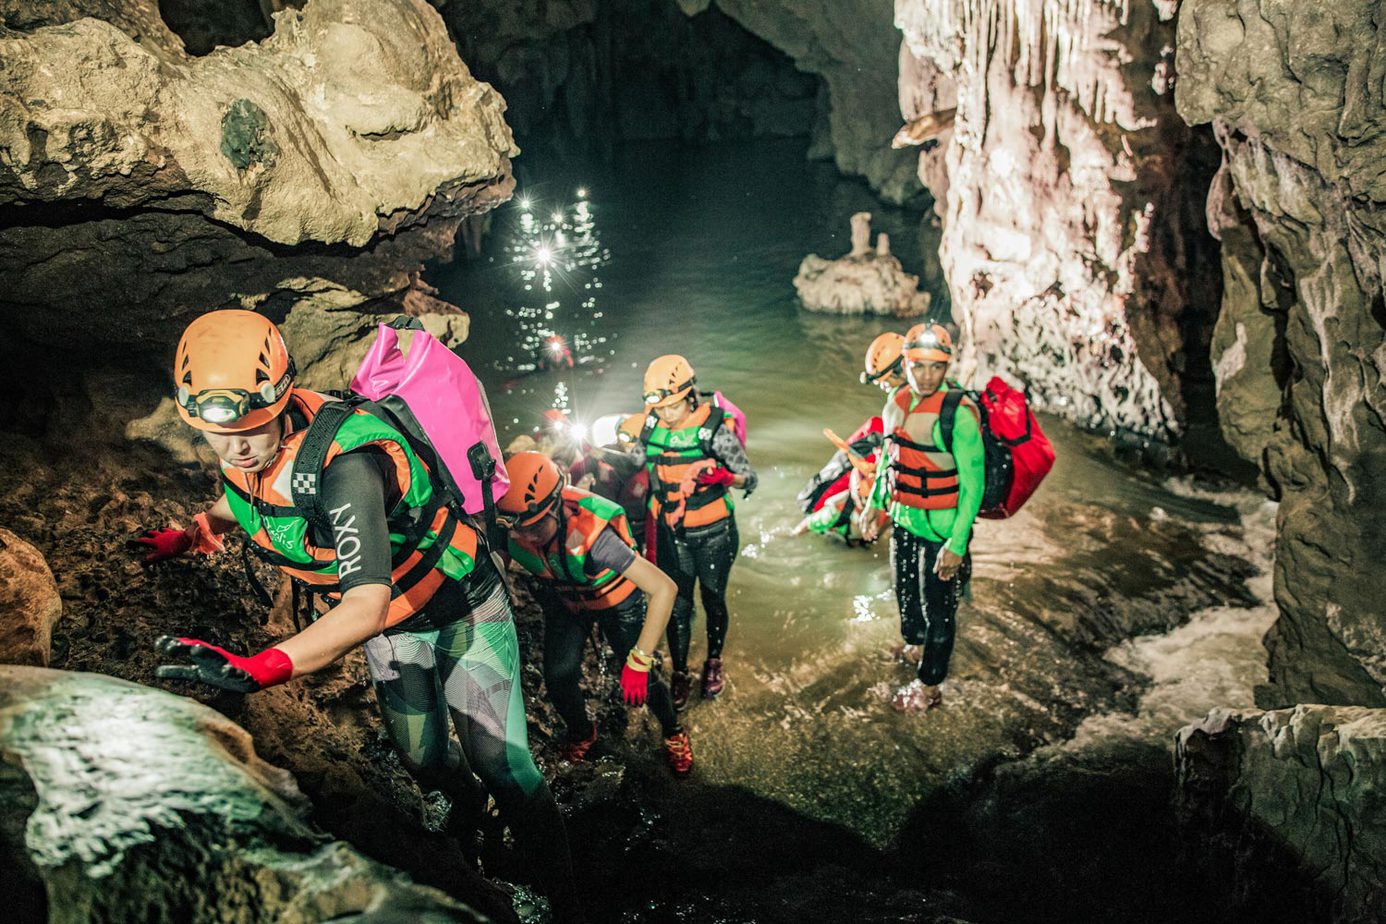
[(574, 750), (680, 686), (713, 681), (679, 751)]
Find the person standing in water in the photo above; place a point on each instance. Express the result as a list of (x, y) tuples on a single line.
[(932, 489), (580, 548), (405, 576), (692, 453)]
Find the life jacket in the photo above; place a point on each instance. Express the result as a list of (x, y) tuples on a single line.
[(670, 455), (584, 516), (922, 475), (429, 543)]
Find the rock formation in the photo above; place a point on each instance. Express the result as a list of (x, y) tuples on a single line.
[(214, 833), (1076, 262), (865, 281), (1300, 347), (1290, 793), (29, 603), (141, 185)]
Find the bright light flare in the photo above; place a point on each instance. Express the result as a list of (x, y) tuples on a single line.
[(582, 192)]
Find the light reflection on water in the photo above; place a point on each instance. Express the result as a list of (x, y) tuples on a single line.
[(702, 250)]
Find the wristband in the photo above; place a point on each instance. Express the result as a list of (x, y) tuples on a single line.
[(637, 660)]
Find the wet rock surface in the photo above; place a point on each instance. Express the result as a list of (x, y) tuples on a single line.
[(1291, 793), (1300, 350), (1077, 262), (29, 603), (146, 806)]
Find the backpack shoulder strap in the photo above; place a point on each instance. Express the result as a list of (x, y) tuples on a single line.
[(306, 481), (708, 430), (651, 421), (948, 415)]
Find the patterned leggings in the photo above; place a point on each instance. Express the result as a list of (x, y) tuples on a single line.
[(469, 671)]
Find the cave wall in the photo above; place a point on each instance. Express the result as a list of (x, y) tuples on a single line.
[(1294, 94), (581, 75), (1076, 262), (140, 185)]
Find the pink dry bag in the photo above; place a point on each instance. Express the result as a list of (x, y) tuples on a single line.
[(448, 405)]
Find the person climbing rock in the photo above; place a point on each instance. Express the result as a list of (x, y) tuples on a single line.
[(845, 513), (690, 447), (580, 548), (931, 484), (402, 573)]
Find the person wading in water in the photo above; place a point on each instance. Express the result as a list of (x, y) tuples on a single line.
[(933, 495), (694, 457)]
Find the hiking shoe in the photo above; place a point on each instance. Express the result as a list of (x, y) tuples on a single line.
[(679, 751), (574, 750), (713, 681), (680, 686), (915, 696)]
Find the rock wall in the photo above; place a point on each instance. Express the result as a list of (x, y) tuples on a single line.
[(1293, 794), (140, 185), (582, 74), (29, 603), (852, 45), (1077, 262), (215, 834), (1294, 95)]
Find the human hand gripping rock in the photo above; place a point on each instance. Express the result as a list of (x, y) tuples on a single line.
[(218, 667)]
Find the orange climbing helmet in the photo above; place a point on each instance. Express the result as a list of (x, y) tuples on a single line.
[(883, 357), (668, 380), (535, 487), (233, 372), (928, 343)]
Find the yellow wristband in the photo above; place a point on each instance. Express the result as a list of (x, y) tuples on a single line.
[(637, 660)]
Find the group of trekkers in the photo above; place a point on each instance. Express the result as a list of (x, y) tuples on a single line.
[(344, 496)]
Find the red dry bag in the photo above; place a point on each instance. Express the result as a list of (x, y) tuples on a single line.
[(1018, 454)]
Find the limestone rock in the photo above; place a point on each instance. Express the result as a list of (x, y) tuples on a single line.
[(29, 603), (1294, 792), (125, 803), (1075, 263), (143, 185), (1302, 342), (869, 284)]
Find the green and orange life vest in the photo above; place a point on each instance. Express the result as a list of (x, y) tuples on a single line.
[(429, 543), (669, 456), (564, 565)]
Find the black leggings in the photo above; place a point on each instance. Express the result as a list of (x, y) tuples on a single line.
[(928, 605), (566, 632), (704, 556)]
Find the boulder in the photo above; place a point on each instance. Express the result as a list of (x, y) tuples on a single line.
[(143, 185), (119, 802), (1291, 793), (29, 603)]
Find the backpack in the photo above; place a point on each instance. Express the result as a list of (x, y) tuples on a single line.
[(432, 397), (1018, 454), (834, 476)]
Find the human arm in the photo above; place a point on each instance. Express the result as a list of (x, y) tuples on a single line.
[(732, 455), (970, 457), (354, 494)]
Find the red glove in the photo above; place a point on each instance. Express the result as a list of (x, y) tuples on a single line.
[(723, 476), (635, 677), (163, 543), (220, 668)]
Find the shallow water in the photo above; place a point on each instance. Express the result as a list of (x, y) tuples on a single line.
[(696, 253)]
